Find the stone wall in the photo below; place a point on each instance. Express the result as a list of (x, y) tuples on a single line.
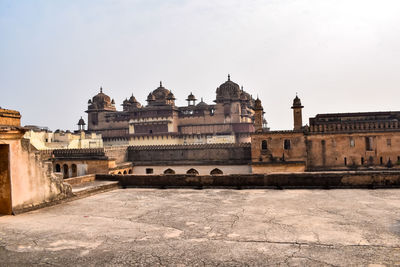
[(327, 151), (10, 117), (200, 169), (349, 150), (32, 180), (205, 154), (117, 153), (352, 179)]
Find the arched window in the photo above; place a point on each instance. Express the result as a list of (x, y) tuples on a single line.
[(264, 145), (58, 168), (192, 172), (125, 172), (169, 171), (130, 171), (65, 171), (119, 173), (74, 170), (216, 171)]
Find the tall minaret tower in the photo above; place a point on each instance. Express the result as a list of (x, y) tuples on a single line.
[(297, 116), (258, 116)]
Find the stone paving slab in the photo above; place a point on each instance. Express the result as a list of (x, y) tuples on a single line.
[(185, 227)]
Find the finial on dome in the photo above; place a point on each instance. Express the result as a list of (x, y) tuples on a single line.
[(160, 83), (101, 89), (242, 88), (201, 99), (229, 77)]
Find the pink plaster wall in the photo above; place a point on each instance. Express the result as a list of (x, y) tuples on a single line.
[(32, 181)]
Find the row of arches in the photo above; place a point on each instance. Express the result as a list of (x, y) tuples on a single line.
[(125, 172), (66, 170), (192, 171)]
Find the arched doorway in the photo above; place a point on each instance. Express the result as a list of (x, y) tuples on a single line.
[(65, 171), (125, 172), (130, 171), (216, 171), (169, 171), (119, 173), (74, 170), (192, 172)]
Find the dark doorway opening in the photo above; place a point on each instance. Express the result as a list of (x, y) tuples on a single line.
[(5, 181), (74, 170), (65, 171)]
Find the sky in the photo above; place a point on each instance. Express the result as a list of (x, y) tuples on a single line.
[(338, 55)]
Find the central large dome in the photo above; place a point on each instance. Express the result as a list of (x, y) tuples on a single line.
[(161, 96), (228, 91)]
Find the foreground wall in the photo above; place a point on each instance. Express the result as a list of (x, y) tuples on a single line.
[(32, 181), (355, 179)]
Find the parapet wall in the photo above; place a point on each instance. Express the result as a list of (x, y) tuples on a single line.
[(204, 154), (356, 179), (118, 153)]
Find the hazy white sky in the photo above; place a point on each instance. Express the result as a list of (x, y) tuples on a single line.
[(340, 56)]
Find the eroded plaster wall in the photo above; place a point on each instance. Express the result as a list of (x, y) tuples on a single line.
[(32, 181)]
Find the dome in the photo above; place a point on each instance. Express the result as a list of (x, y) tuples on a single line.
[(150, 97), (81, 122), (244, 95), (202, 104), (101, 101), (161, 93), (297, 102), (191, 97), (170, 96), (132, 99), (257, 104), (161, 96), (101, 97), (228, 91)]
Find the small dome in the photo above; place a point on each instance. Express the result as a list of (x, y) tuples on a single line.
[(81, 122), (228, 91), (170, 96), (191, 97), (90, 101), (112, 102), (297, 102), (202, 104), (132, 99), (150, 97), (257, 104)]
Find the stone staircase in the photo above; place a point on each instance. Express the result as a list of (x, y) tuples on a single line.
[(87, 185)]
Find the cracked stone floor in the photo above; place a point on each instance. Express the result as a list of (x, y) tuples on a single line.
[(185, 227)]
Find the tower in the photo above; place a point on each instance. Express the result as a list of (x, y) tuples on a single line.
[(297, 114), (258, 115)]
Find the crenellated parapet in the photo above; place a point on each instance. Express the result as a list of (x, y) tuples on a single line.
[(86, 153), (190, 146)]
